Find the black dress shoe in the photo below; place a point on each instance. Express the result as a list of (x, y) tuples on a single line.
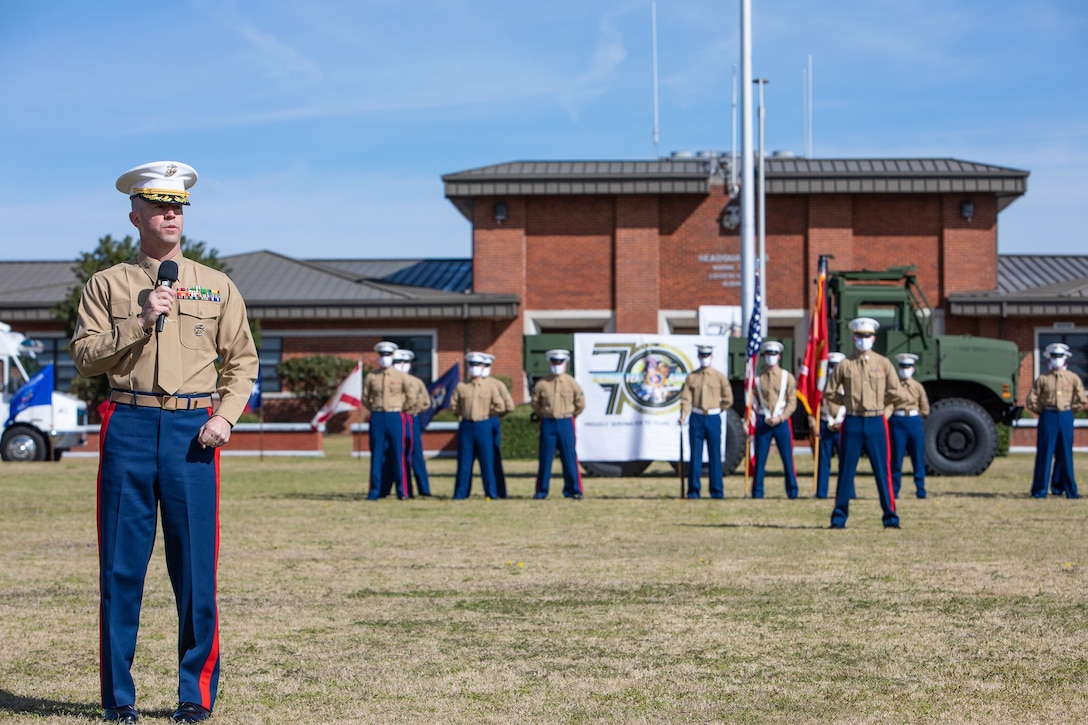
[(190, 712), (126, 714)]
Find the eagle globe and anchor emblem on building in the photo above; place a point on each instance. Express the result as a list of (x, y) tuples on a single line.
[(649, 377)]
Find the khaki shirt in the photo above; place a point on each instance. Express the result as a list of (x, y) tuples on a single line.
[(388, 390), (208, 323), (706, 389), (912, 395), (419, 396), (865, 383), (770, 382), (558, 396), (1056, 390), (475, 399), (506, 401)]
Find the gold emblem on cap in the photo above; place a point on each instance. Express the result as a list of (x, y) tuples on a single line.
[(171, 170)]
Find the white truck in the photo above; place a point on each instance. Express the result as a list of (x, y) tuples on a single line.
[(41, 431)]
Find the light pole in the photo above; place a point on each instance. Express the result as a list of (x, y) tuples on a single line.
[(762, 209)]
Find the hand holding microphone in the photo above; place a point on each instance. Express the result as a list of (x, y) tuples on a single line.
[(168, 275)]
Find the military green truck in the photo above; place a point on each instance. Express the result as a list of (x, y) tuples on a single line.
[(971, 381)]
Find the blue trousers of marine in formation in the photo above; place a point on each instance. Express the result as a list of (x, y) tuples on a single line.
[(475, 442), (150, 463), (705, 430), (782, 435), (907, 434), (871, 436), (418, 463), (558, 433), (1054, 439), (500, 474), (388, 468), (829, 448)]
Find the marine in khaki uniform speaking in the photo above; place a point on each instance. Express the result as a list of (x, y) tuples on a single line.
[(558, 399), (1054, 397), (705, 397), (776, 394), (387, 394), (905, 426), (156, 326)]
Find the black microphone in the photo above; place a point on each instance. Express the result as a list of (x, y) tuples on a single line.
[(168, 275)]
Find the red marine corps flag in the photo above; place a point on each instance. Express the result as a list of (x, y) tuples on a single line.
[(813, 374), (348, 396)]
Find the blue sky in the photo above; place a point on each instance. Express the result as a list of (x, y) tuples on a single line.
[(321, 129)]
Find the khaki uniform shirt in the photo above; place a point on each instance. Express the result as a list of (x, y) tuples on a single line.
[(475, 399), (418, 395), (865, 383), (388, 390), (506, 401), (558, 396), (770, 382), (705, 389), (1056, 390), (912, 395), (208, 323)]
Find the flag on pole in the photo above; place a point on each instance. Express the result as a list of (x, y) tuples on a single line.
[(813, 377), (348, 396), (751, 360), (440, 391), (254, 402), (36, 391)]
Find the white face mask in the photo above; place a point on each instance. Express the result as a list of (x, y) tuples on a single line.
[(771, 360), (403, 367), (1056, 363), (475, 370), (385, 360), (704, 362), (558, 369), (864, 344), (906, 373), (487, 371)]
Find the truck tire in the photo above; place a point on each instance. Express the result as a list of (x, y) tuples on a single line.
[(21, 443), (734, 442), (615, 469), (961, 438)]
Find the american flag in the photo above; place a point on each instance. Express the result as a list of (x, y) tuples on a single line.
[(755, 340)]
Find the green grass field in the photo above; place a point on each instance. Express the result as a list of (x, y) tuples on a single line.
[(630, 606)]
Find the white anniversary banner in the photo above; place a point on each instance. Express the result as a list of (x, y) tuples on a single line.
[(632, 385)]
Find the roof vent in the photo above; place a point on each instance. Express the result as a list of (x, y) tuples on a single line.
[(682, 155)]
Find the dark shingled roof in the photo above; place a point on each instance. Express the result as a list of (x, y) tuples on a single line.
[(784, 175)]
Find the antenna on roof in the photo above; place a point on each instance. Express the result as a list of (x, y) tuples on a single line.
[(653, 31)]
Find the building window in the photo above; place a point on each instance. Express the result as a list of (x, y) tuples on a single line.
[(270, 353), (423, 347), (1076, 339), (54, 352)]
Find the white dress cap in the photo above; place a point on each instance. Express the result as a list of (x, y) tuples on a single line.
[(705, 350), (558, 354), (772, 346), (386, 347), (402, 355), (476, 358), (834, 358), (906, 358), (159, 181), (865, 324), (1058, 349)]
